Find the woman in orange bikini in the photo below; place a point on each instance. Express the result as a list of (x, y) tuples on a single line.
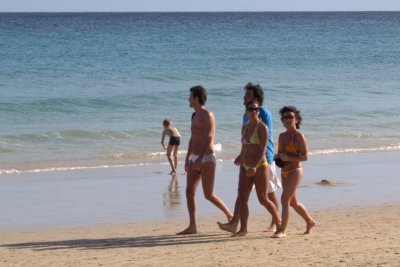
[(253, 166), (292, 150)]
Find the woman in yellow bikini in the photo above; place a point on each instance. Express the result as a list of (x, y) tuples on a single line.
[(292, 150), (253, 166)]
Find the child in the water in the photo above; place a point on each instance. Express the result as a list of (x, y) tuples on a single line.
[(173, 144)]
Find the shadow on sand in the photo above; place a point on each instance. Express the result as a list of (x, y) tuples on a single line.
[(134, 242)]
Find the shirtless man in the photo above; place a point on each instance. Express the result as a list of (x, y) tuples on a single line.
[(200, 159)]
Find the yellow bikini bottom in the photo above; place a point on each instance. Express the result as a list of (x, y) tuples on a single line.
[(262, 163)]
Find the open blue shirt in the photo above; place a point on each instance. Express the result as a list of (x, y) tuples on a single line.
[(266, 118)]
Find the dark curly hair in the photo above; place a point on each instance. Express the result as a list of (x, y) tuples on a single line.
[(200, 92), (296, 114), (257, 91)]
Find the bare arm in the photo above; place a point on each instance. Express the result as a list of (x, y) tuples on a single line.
[(189, 152), (263, 133), (238, 159), (301, 143), (277, 155), (162, 139)]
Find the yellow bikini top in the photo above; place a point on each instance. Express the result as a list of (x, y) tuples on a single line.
[(254, 138)]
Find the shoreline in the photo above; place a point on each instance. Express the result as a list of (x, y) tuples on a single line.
[(148, 193), (353, 236), (130, 217), (157, 158)]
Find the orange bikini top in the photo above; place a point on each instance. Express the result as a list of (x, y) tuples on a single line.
[(289, 148)]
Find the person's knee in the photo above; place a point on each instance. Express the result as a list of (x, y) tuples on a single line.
[(264, 200), (209, 196), (293, 203), (271, 196)]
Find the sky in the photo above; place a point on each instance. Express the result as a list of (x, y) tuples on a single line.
[(195, 5)]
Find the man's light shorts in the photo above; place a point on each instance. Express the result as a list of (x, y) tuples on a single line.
[(274, 182)]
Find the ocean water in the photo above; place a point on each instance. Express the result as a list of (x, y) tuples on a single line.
[(89, 90)]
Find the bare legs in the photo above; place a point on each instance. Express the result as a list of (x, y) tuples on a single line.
[(289, 198), (274, 225), (245, 186), (175, 154), (172, 161), (207, 173), (260, 179), (232, 225)]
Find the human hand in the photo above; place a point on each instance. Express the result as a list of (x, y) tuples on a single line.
[(187, 165), (284, 156), (196, 164), (187, 169), (237, 160), (251, 172)]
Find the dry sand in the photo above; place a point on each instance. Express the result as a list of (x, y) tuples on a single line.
[(354, 236)]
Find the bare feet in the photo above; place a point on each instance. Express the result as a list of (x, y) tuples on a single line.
[(272, 228), (229, 227), (192, 229), (310, 225), (279, 234), (240, 234), (172, 172)]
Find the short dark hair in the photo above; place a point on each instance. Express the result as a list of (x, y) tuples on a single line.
[(296, 114), (257, 91), (200, 92), (167, 122)]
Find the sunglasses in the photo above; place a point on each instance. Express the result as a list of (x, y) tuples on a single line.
[(251, 109), (288, 117)]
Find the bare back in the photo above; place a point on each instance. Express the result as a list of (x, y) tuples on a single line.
[(203, 132)]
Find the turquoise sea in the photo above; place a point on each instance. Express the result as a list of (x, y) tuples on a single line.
[(83, 90)]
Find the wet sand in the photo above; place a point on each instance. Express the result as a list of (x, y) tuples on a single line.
[(143, 193)]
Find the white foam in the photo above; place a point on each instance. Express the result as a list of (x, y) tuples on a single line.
[(218, 147), (163, 153), (355, 150), (56, 169)]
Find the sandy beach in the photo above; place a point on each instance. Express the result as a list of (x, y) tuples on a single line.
[(129, 217), (356, 236), (84, 180)]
